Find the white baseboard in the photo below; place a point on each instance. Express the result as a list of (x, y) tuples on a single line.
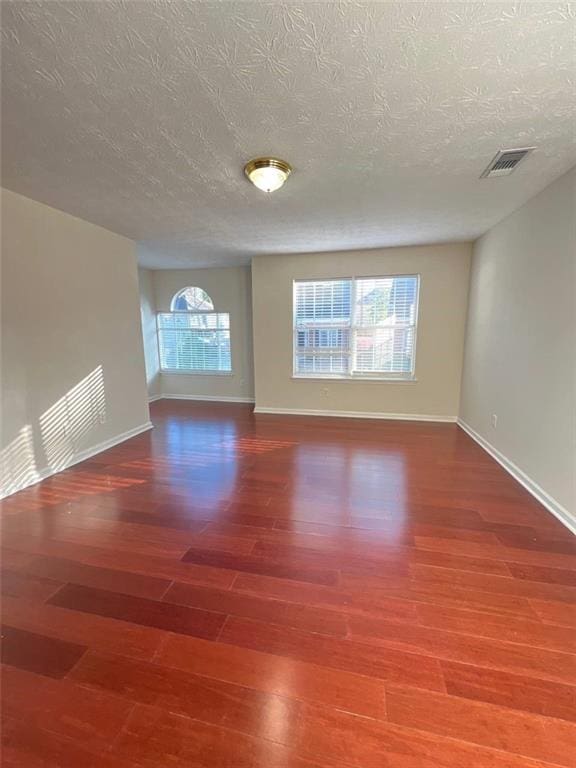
[(209, 398), (42, 474), (356, 414), (518, 474), (153, 398)]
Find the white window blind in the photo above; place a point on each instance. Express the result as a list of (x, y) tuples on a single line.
[(357, 327), (194, 342)]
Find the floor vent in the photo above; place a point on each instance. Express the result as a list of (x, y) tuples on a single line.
[(505, 161)]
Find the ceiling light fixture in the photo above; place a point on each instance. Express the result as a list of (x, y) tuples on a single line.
[(267, 173)]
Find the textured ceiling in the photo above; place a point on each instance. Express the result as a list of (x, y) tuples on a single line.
[(139, 116)]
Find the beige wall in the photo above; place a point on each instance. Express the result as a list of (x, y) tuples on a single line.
[(443, 270), (72, 361), (230, 290), (521, 341), (149, 334)]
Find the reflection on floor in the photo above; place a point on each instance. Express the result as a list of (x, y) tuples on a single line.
[(242, 591)]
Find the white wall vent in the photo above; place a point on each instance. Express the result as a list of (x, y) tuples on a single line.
[(505, 161)]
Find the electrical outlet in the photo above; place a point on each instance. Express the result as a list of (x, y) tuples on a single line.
[(494, 421)]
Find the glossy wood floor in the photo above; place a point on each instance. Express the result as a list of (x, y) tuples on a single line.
[(240, 591)]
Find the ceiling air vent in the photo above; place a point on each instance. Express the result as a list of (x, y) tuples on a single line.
[(505, 161)]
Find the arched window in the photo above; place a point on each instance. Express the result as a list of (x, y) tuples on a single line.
[(192, 299), (192, 337)]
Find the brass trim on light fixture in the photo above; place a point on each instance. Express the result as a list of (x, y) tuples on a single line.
[(267, 162)]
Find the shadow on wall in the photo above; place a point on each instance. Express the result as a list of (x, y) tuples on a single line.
[(18, 463), (62, 428), (65, 423)]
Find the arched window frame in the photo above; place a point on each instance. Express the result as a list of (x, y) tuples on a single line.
[(205, 299), (194, 341)]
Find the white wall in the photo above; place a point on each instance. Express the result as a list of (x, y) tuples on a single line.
[(521, 341), (72, 361), (149, 334), (230, 290), (444, 273)]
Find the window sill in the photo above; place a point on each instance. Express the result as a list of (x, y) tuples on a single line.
[(196, 373), (394, 379)]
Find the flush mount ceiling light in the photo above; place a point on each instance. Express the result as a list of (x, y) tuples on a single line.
[(267, 173)]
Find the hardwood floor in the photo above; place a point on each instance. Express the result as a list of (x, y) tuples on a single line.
[(241, 591)]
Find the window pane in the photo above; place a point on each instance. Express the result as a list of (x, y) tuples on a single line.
[(322, 363), (323, 338), (386, 300), (323, 300), (192, 299), (384, 350)]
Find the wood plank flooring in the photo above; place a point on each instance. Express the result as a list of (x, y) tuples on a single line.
[(234, 590)]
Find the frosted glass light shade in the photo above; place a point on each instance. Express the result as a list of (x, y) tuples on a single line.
[(267, 179), (267, 173)]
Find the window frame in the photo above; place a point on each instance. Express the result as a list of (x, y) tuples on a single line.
[(182, 291), (352, 375), (203, 372)]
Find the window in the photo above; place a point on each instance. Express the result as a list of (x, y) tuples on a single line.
[(356, 327), (192, 299), (193, 338)]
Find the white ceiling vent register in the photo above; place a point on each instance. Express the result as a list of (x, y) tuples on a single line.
[(505, 161)]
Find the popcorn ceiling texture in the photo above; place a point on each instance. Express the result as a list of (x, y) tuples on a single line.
[(139, 116)]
